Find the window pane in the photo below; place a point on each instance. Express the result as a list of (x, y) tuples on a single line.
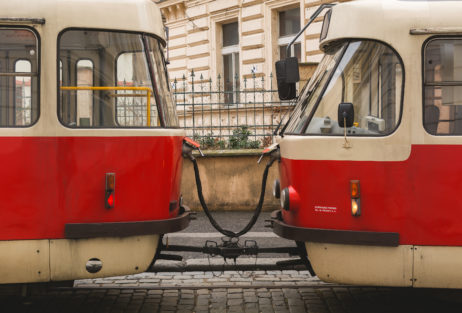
[(443, 103), (443, 60), (228, 77), (162, 83), (369, 75), (296, 51), (230, 34), (289, 22), (120, 87), (19, 100), (84, 97), (23, 94)]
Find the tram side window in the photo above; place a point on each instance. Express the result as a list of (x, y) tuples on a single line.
[(19, 100), (443, 86), (105, 80)]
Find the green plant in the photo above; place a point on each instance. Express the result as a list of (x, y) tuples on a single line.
[(210, 142), (240, 139), (207, 142)]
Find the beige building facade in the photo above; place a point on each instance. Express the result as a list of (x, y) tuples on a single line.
[(237, 38)]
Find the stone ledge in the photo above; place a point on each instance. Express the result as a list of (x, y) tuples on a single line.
[(229, 152)]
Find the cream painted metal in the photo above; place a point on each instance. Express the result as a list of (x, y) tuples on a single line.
[(32, 261), (127, 15), (119, 256), (362, 265), (402, 266), (24, 261), (392, 22)]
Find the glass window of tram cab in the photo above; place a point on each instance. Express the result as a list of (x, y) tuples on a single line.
[(363, 197), (94, 156)]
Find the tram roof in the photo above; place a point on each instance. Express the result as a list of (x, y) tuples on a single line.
[(130, 15), (393, 21)]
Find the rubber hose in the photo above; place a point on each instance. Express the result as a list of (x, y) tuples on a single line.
[(256, 213)]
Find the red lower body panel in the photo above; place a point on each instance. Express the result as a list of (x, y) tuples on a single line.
[(46, 182), (420, 198)]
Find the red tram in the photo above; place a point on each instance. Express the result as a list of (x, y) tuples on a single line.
[(91, 151), (369, 170)]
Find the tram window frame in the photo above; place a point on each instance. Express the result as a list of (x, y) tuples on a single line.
[(428, 120), (35, 92), (153, 84)]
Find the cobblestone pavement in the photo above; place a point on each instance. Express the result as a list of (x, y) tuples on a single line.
[(230, 291)]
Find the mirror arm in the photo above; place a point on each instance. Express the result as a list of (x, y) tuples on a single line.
[(315, 15)]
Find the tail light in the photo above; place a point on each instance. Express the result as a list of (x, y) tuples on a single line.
[(110, 190)]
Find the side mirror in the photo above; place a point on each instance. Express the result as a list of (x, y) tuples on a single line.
[(346, 114), (287, 75)]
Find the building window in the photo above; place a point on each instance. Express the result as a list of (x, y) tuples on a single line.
[(230, 53), (289, 26), (443, 86)]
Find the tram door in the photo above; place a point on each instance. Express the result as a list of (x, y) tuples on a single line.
[(18, 77)]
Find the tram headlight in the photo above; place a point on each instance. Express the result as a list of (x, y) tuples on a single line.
[(290, 199), (285, 199), (276, 189)]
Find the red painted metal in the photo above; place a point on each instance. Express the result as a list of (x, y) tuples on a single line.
[(46, 182), (420, 198)]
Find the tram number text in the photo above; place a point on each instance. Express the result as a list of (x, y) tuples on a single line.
[(325, 209)]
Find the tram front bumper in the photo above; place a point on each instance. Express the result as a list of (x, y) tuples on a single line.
[(349, 237), (126, 229)]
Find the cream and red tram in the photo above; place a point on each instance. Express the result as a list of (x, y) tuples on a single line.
[(89, 140), (370, 169)]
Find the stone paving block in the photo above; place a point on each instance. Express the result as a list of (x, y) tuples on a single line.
[(264, 301), (201, 308), (202, 276), (264, 294), (235, 296), (235, 302), (253, 299), (279, 303), (266, 308), (297, 309)]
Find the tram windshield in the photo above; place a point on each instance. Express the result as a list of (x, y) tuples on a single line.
[(111, 79), (367, 74)]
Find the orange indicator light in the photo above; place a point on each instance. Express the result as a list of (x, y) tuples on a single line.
[(354, 187)]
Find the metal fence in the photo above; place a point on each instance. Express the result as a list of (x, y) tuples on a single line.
[(230, 115)]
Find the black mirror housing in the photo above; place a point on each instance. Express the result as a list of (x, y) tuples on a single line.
[(287, 75), (346, 114)]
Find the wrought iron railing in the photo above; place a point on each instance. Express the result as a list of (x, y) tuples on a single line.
[(230, 115)]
